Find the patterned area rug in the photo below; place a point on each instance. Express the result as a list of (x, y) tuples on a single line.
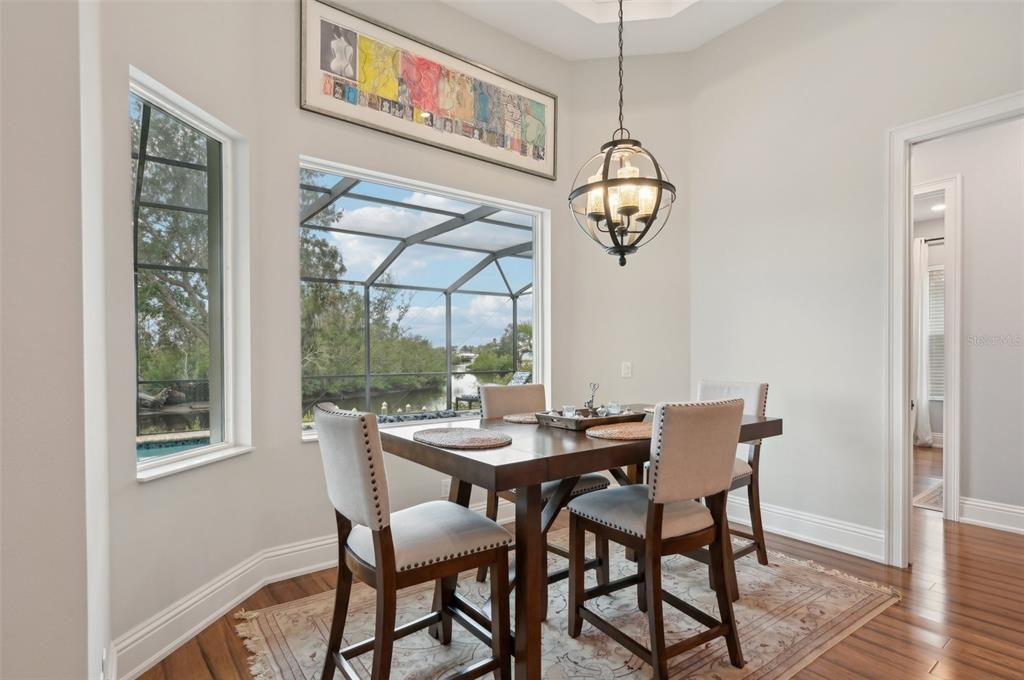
[(789, 613), (930, 499)]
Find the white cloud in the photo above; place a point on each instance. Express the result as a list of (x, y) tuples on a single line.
[(388, 220), (361, 255), (439, 202)]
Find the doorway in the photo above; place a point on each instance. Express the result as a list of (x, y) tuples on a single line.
[(902, 408), (933, 345)]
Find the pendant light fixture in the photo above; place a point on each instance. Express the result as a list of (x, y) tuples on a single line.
[(621, 197)]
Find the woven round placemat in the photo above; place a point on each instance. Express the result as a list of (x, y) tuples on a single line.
[(462, 438), (621, 431), (521, 418)]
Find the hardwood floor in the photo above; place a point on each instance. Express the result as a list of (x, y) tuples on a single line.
[(962, 614), (927, 468)]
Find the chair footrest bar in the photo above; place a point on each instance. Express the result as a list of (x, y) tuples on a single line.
[(615, 634), (744, 551), (558, 574), (562, 574), (479, 669), (696, 640), (612, 586), (479, 632), (691, 611), (471, 610), (347, 670), (741, 533), (561, 552), (400, 632)]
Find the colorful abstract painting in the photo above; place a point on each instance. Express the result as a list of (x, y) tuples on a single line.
[(367, 73)]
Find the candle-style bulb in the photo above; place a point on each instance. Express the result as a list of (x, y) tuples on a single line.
[(629, 202), (646, 198), (595, 199)]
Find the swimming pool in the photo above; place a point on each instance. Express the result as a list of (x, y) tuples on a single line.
[(152, 449)]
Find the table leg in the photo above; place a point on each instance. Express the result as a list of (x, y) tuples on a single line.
[(636, 476), (531, 582), (458, 492), (730, 571)]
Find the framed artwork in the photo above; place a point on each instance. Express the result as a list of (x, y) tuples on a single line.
[(362, 72)]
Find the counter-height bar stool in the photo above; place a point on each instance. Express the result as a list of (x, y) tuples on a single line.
[(746, 467), (388, 551), (692, 450), (498, 401)]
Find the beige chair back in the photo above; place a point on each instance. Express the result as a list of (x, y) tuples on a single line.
[(497, 401), (357, 483), (754, 396), (692, 449)]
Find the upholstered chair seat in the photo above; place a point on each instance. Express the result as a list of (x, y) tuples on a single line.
[(625, 508), (432, 532)]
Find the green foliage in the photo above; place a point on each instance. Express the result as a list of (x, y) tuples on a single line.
[(497, 354)]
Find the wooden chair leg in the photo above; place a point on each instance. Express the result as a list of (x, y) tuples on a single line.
[(492, 514), (603, 571), (501, 639), (384, 639), (655, 620), (448, 585), (754, 498), (721, 563), (576, 560), (641, 569), (341, 595)]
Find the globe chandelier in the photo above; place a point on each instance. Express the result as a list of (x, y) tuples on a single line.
[(621, 197)]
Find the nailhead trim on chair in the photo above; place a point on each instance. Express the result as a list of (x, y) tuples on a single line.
[(656, 459), (605, 522), (452, 556), (369, 454)]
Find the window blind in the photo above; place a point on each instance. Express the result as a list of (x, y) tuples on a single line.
[(936, 332)]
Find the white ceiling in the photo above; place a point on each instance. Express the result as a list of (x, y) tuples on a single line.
[(925, 204), (586, 29)]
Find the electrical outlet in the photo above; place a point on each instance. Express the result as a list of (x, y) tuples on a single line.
[(627, 369)]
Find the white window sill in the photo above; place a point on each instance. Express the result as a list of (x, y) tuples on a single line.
[(310, 436), (188, 460)]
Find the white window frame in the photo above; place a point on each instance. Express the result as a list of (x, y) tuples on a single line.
[(541, 260), (235, 278), (932, 268)]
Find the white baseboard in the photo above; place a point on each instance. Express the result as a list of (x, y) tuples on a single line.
[(152, 640), (853, 539), (937, 440), (993, 515)]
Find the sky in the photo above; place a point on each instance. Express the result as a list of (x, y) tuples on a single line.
[(475, 318)]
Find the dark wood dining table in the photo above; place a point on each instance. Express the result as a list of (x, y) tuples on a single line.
[(537, 454)]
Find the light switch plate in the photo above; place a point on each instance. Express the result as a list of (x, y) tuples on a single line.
[(627, 369)]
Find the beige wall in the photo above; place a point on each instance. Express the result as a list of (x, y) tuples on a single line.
[(787, 167), (637, 313), (42, 499), (991, 163)]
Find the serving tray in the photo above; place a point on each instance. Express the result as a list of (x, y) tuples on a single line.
[(584, 419)]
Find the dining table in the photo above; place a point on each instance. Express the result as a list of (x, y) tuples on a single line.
[(536, 454)]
